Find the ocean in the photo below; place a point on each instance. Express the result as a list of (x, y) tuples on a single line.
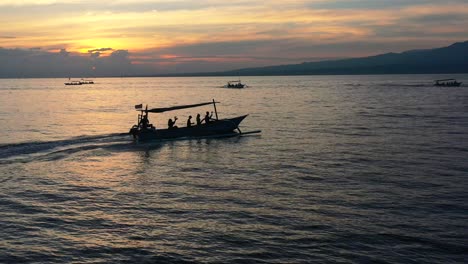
[(347, 169)]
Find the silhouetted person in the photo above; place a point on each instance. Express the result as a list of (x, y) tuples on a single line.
[(208, 117), (189, 121), (144, 121), (198, 120), (171, 123)]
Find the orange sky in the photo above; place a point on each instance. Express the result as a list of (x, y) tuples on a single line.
[(255, 32)]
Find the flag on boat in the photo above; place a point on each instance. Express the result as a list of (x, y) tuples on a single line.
[(139, 106)]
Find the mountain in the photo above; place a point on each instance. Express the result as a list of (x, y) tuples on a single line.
[(451, 59)]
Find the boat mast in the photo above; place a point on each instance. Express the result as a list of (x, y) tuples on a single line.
[(216, 112)]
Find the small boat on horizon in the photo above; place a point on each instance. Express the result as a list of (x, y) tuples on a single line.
[(80, 82), (234, 84), (447, 83), (83, 81), (144, 131), (73, 83)]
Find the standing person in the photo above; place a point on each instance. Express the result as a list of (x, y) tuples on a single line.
[(208, 117), (198, 119), (144, 121), (189, 121)]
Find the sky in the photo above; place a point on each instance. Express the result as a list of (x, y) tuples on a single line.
[(52, 38)]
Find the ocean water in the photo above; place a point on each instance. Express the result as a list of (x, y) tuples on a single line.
[(347, 169)]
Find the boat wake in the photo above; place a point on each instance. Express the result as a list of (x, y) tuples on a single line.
[(25, 152), (59, 149)]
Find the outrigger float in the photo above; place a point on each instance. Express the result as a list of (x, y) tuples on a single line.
[(144, 131)]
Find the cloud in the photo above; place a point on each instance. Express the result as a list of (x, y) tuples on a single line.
[(375, 4), (170, 35), (196, 57), (16, 63), (99, 50), (222, 56), (64, 52), (26, 2)]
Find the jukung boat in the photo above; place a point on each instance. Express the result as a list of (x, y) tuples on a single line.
[(73, 83), (447, 83), (80, 82), (144, 131), (83, 81), (234, 84)]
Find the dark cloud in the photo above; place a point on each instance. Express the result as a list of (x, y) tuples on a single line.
[(7, 37), (375, 4), (100, 50), (443, 19), (229, 56), (428, 27), (116, 7), (64, 52), (120, 54), (246, 48), (16, 63), (210, 57), (95, 54), (416, 32)]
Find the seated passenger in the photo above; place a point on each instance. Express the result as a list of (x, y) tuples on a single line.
[(198, 120), (170, 123), (189, 121), (208, 117)]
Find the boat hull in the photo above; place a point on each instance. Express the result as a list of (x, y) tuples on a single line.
[(239, 86), (215, 128), (457, 84)]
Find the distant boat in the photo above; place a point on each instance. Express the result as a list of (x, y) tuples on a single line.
[(144, 131), (80, 82), (447, 83), (83, 81), (73, 83), (234, 84)]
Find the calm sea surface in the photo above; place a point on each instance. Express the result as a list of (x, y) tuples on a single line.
[(347, 169)]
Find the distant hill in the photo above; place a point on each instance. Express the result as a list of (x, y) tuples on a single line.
[(451, 59)]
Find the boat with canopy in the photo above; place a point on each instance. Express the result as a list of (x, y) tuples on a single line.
[(84, 81), (234, 84), (73, 83), (447, 83), (144, 131), (80, 82)]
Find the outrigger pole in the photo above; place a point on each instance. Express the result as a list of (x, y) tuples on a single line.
[(216, 112)]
